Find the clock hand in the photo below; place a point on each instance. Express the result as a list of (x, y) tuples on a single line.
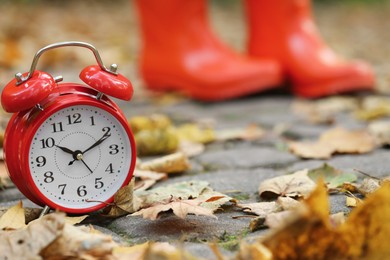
[(78, 155), (101, 140), (66, 150), (86, 165)]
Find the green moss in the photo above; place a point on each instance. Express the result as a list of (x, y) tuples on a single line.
[(231, 242)]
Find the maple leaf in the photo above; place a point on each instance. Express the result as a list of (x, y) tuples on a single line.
[(180, 208)]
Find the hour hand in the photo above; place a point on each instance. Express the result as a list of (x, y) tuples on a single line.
[(66, 150)]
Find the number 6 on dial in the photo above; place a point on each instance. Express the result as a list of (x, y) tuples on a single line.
[(68, 146)]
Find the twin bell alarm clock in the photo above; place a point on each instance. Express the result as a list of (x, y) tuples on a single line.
[(68, 146)]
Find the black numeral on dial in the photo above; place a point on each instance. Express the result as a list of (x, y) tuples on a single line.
[(74, 119), (82, 191), (47, 143), (57, 127), (41, 161), (48, 177)]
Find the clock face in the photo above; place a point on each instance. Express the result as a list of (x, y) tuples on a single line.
[(80, 156)]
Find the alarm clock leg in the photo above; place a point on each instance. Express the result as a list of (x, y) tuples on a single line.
[(44, 211)]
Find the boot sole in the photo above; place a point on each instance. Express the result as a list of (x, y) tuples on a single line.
[(211, 93)]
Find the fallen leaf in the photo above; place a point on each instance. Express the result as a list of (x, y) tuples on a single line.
[(333, 177), (182, 190), (156, 141), (195, 133), (13, 218), (5, 181), (352, 201), (191, 149), (27, 243), (380, 130), (369, 224), (123, 202), (297, 184), (261, 209), (152, 122), (336, 140), (180, 208), (368, 186), (151, 250), (322, 111), (173, 163), (337, 219), (76, 219), (251, 132), (312, 150), (361, 236), (373, 107), (253, 251), (147, 178)]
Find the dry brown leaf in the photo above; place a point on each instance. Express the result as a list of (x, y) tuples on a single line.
[(337, 219), (369, 224), (5, 181), (312, 150), (151, 250), (352, 201), (336, 140), (373, 107), (147, 178), (254, 251), (76, 243), (380, 130), (75, 220), (13, 218), (123, 202), (261, 209), (297, 184), (362, 236), (322, 111), (173, 163), (27, 243), (180, 208)]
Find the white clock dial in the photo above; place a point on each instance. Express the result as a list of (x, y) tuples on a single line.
[(80, 156)]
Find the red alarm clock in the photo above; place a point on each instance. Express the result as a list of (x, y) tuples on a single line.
[(67, 145)]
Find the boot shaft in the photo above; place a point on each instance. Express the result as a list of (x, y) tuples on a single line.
[(170, 23), (272, 23)]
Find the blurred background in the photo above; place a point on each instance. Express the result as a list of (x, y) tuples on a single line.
[(353, 28)]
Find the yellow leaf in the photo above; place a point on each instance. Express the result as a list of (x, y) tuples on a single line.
[(75, 220), (173, 163), (153, 122), (156, 141), (196, 133), (13, 218)]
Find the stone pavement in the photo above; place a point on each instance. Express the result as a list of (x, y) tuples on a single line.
[(234, 167)]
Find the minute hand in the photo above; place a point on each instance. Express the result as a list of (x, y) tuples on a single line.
[(101, 140)]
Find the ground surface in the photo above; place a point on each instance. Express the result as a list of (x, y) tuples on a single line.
[(356, 31)]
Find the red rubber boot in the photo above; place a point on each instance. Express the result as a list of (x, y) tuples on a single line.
[(181, 53), (284, 30)]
